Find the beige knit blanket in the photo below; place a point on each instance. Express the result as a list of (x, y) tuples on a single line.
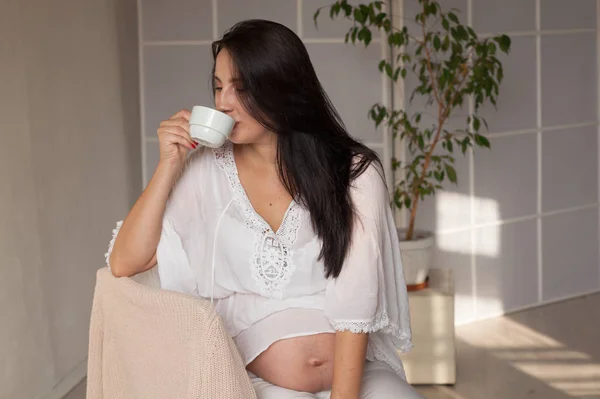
[(150, 343)]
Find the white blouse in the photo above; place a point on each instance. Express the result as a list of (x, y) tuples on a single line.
[(269, 285)]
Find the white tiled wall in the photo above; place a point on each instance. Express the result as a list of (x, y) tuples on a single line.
[(521, 227), (175, 38)]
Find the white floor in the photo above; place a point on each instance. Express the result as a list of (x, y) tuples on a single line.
[(551, 352)]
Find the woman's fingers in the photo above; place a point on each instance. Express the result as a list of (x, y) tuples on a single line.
[(178, 139), (179, 131), (184, 113)]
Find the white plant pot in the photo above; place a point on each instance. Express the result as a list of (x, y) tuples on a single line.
[(417, 255)]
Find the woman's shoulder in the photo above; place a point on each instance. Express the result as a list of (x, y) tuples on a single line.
[(369, 177)]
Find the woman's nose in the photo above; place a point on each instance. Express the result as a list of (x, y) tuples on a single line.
[(225, 100)]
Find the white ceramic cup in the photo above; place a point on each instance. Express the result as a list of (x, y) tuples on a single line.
[(211, 128)]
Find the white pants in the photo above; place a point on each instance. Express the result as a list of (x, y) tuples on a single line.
[(379, 382)]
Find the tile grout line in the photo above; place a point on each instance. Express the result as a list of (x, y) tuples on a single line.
[(215, 20), (541, 129), (337, 40), (540, 32), (502, 222), (385, 130), (398, 97), (539, 222), (141, 95), (495, 135), (598, 109), (299, 22), (473, 237)]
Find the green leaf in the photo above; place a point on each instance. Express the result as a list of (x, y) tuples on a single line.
[(382, 65), (334, 10), (436, 43), (365, 10), (397, 38), (482, 141), (388, 70), (347, 8), (446, 24), (361, 34), (380, 18), (366, 35), (354, 32), (504, 43), (476, 124), (450, 172), (316, 16), (462, 32), (403, 73), (446, 43), (359, 16), (472, 32), (453, 17), (431, 9)]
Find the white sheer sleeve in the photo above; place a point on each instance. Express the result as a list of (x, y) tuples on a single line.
[(182, 210), (370, 295)]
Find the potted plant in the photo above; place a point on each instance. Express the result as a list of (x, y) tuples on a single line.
[(452, 65)]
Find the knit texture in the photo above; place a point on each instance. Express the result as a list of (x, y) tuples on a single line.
[(150, 343)]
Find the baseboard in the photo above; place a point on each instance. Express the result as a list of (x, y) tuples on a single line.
[(73, 379)]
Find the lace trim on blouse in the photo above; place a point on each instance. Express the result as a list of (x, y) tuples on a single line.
[(272, 265), (115, 233)]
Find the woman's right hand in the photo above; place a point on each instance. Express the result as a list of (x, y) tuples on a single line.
[(174, 138)]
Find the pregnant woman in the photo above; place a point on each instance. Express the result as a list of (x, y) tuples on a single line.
[(287, 228)]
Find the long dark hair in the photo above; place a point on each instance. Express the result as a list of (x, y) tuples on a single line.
[(317, 159)]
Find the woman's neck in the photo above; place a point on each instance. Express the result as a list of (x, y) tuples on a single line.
[(260, 154)]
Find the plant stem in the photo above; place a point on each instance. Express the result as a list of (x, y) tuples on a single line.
[(441, 113)]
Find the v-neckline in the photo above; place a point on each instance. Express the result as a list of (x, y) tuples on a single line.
[(244, 194)]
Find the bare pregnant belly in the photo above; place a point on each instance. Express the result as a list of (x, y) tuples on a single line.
[(302, 363)]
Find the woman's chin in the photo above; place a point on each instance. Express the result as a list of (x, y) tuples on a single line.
[(239, 136), (235, 139)]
